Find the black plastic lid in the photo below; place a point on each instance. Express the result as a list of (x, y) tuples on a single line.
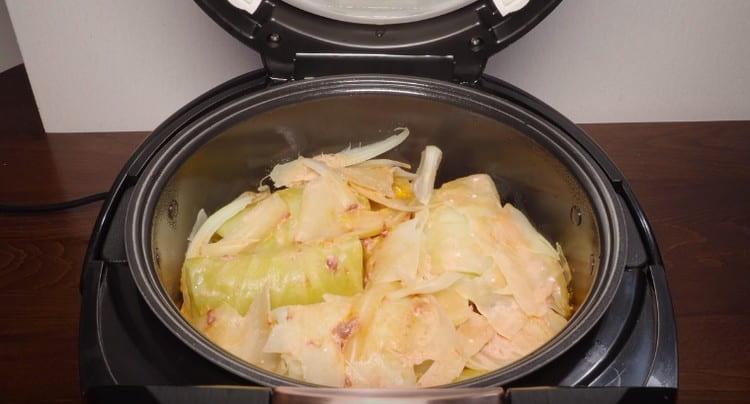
[(455, 46)]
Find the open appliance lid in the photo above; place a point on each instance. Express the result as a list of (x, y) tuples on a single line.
[(382, 12), (445, 39)]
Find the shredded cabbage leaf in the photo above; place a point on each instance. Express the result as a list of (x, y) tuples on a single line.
[(306, 338), (243, 336), (357, 272)]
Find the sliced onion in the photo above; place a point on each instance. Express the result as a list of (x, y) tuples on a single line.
[(364, 153), (400, 172), (375, 178), (385, 162), (287, 174), (295, 171), (259, 222), (199, 220), (209, 227), (395, 204), (434, 285), (424, 184)]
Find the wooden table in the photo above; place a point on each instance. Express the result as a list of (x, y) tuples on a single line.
[(693, 180)]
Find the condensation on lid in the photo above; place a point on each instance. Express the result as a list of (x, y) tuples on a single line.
[(381, 12)]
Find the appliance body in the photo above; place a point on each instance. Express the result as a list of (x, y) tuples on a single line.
[(122, 341)]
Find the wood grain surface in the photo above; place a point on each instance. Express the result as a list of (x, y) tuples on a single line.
[(693, 180)]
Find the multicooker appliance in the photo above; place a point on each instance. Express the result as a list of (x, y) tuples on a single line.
[(344, 72)]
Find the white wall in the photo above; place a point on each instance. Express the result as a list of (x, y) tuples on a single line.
[(116, 65), (625, 60), (112, 65), (9, 54)]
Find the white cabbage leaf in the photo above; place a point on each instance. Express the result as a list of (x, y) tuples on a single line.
[(452, 244), (483, 235), (380, 370), (397, 256), (306, 338), (243, 336), (476, 190), (455, 306), (403, 333), (501, 351), (502, 311), (324, 200), (474, 334)]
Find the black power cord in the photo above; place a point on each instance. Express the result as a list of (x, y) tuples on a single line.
[(54, 207)]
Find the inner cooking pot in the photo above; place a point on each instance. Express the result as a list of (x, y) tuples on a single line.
[(230, 148)]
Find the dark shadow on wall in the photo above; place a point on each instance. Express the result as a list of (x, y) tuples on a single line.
[(25, 152), (18, 111)]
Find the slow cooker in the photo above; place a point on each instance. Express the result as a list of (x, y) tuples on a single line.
[(338, 73)]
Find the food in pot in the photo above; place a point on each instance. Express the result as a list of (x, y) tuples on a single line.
[(357, 272)]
